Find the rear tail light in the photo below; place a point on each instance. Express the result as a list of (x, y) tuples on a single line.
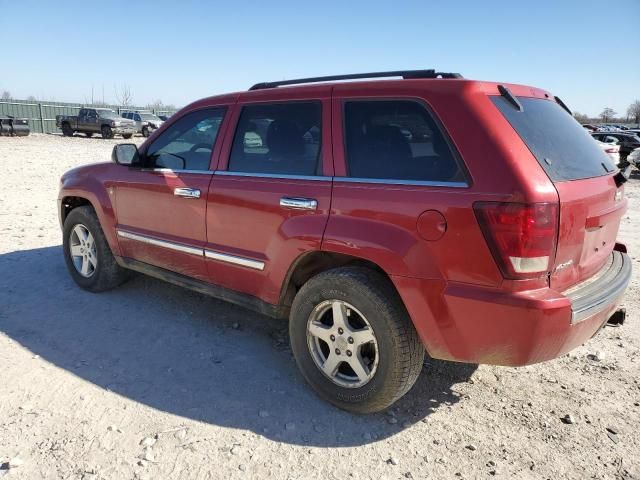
[(612, 150), (522, 237)]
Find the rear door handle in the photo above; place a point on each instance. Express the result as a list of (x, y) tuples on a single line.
[(299, 203), (187, 192)]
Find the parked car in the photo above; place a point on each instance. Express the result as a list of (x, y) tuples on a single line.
[(612, 150), (496, 244), (634, 158), (591, 128), (164, 118), (95, 120), (627, 141), (146, 122)]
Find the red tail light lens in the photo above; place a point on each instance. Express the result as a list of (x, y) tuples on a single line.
[(612, 150), (522, 237)]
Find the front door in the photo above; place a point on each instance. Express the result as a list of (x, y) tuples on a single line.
[(161, 207), (271, 203)]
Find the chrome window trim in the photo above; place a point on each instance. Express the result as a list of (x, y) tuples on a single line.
[(272, 175), (388, 181), (245, 262), (161, 243), (176, 171)]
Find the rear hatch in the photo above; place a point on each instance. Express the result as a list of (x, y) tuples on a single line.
[(591, 204)]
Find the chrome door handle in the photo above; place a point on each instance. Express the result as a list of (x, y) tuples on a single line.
[(299, 203), (186, 192)]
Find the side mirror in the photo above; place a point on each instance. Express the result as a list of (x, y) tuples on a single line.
[(125, 154)]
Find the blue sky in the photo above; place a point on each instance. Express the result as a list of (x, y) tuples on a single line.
[(178, 51)]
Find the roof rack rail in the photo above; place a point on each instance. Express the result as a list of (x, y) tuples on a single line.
[(406, 74)]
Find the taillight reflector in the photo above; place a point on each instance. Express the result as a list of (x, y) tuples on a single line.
[(522, 237)]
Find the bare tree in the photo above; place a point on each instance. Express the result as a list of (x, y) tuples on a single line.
[(155, 105), (581, 117), (607, 114), (6, 95), (124, 95), (634, 111), (31, 98)]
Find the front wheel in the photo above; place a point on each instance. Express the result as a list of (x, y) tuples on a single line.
[(106, 132), (353, 340), (87, 253), (146, 132)]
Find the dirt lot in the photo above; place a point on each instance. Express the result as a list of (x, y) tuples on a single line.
[(152, 381)]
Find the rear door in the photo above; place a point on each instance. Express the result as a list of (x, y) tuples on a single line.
[(591, 204), (269, 203)]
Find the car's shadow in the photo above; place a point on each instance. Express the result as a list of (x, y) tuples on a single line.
[(190, 355)]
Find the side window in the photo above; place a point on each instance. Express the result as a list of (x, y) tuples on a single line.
[(136, 117), (187, 144), (279, 138), (397, 140)]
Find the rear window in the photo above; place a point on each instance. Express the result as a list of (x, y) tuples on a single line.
[(562, 147)]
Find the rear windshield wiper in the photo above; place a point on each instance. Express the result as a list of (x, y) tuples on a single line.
[(506, 93)]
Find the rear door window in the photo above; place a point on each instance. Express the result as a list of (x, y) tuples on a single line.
[(562, 147), (397, 140), (278, 139)]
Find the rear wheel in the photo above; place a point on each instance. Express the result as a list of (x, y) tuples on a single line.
[(353, 339), (146, 132), (106, 132), (67, 131), (87, 253)]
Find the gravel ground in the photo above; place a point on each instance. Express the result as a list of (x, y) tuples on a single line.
[(152, 381)]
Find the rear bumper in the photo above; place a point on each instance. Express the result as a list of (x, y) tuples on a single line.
[(468, 323)]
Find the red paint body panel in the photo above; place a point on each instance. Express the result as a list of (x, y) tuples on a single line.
[(473, 324), (440, 263)]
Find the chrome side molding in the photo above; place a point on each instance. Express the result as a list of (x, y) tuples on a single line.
[(245, 262), (178, 247), (199, 252)]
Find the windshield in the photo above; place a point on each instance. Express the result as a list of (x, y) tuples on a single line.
[(148, 116), (562, 147), (107, 114)]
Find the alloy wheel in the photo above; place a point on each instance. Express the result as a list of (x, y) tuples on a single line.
[(342, 343)]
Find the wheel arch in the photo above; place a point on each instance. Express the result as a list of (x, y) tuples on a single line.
[(312, 263), (96, 196)]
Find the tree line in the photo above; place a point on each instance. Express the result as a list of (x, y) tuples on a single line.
[(608, 115), (123, 95)]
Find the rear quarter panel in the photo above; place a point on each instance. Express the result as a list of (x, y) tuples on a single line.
[(378, 221)]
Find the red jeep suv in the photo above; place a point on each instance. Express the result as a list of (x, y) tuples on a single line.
[(472, 219)]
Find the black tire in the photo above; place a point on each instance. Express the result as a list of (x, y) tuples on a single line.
[(146, 132), (107, 274), (89, 134), (106, 132), (127, 136), (401, 354), (67, 131)]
